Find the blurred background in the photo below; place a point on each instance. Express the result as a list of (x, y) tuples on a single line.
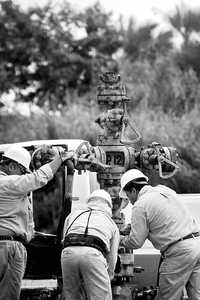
[(51, 54)]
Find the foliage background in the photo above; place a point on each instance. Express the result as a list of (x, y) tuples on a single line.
[(46, 63)]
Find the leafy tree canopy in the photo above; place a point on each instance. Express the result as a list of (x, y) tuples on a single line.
[(42, 59), (186, 23)]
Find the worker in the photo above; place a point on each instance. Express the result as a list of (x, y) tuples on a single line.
[(91, 240), (16, 216), (158, 215)]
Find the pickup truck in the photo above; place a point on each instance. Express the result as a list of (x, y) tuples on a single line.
[(42, 273)]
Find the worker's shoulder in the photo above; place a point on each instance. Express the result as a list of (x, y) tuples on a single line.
[(156, 192), (148, 192), (151, 196), (108, 218)]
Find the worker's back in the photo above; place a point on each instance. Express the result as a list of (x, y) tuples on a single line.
[(168, 218)]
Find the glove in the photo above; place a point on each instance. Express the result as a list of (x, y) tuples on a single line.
[(126, 230), (68, 155)]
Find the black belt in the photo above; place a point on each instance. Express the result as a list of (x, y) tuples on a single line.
[(13, 238), (189, 236), (75, 239)]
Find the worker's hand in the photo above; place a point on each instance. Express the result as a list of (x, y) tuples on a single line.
[(126, 230), (68, 155)]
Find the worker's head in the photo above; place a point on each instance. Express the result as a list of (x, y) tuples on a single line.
[(16, 160), (100, 199), (131, 183)]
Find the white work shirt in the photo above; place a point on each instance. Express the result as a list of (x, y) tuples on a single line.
[(158, 215), (100, 225), (16, 212)]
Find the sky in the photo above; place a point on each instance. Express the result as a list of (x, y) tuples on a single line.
[(141, 10)]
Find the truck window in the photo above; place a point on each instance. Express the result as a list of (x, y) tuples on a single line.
[(83, 185), (47, 205)]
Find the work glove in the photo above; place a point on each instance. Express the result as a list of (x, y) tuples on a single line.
[(68, 155), (126, 230)]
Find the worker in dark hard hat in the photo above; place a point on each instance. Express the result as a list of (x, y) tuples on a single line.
[(16, 218), (159, 216), (91, 240)]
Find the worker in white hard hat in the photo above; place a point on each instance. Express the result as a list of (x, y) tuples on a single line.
[(159, 216), (16, 217), (91, 240)]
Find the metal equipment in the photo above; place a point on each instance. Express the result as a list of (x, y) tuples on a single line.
[(113, 155)]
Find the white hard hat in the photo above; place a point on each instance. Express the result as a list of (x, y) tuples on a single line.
[(102, 194), (18, 154), (132, 175)]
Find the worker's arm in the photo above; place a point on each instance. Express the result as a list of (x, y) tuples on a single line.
[(22, 184), (112, 256), (59, 158), (139, 229)]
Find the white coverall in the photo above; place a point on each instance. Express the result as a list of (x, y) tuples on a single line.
[(16, 218), (159, 216), (85, 270)]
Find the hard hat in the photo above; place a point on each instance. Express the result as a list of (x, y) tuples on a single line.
[(18, 154), (132, 175), (102, 194)]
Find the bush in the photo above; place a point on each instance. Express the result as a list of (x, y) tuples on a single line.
[(179, 132), (161, 85), (73, 123)]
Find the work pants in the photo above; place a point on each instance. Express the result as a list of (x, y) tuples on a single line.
[(180, 268), (85, 274), (13, 258)]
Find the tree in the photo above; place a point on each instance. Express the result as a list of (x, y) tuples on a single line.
[(161, 85), (141, 43), (30, 54), (136, 40), (186, 23), (100, 42), (41, 58)]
